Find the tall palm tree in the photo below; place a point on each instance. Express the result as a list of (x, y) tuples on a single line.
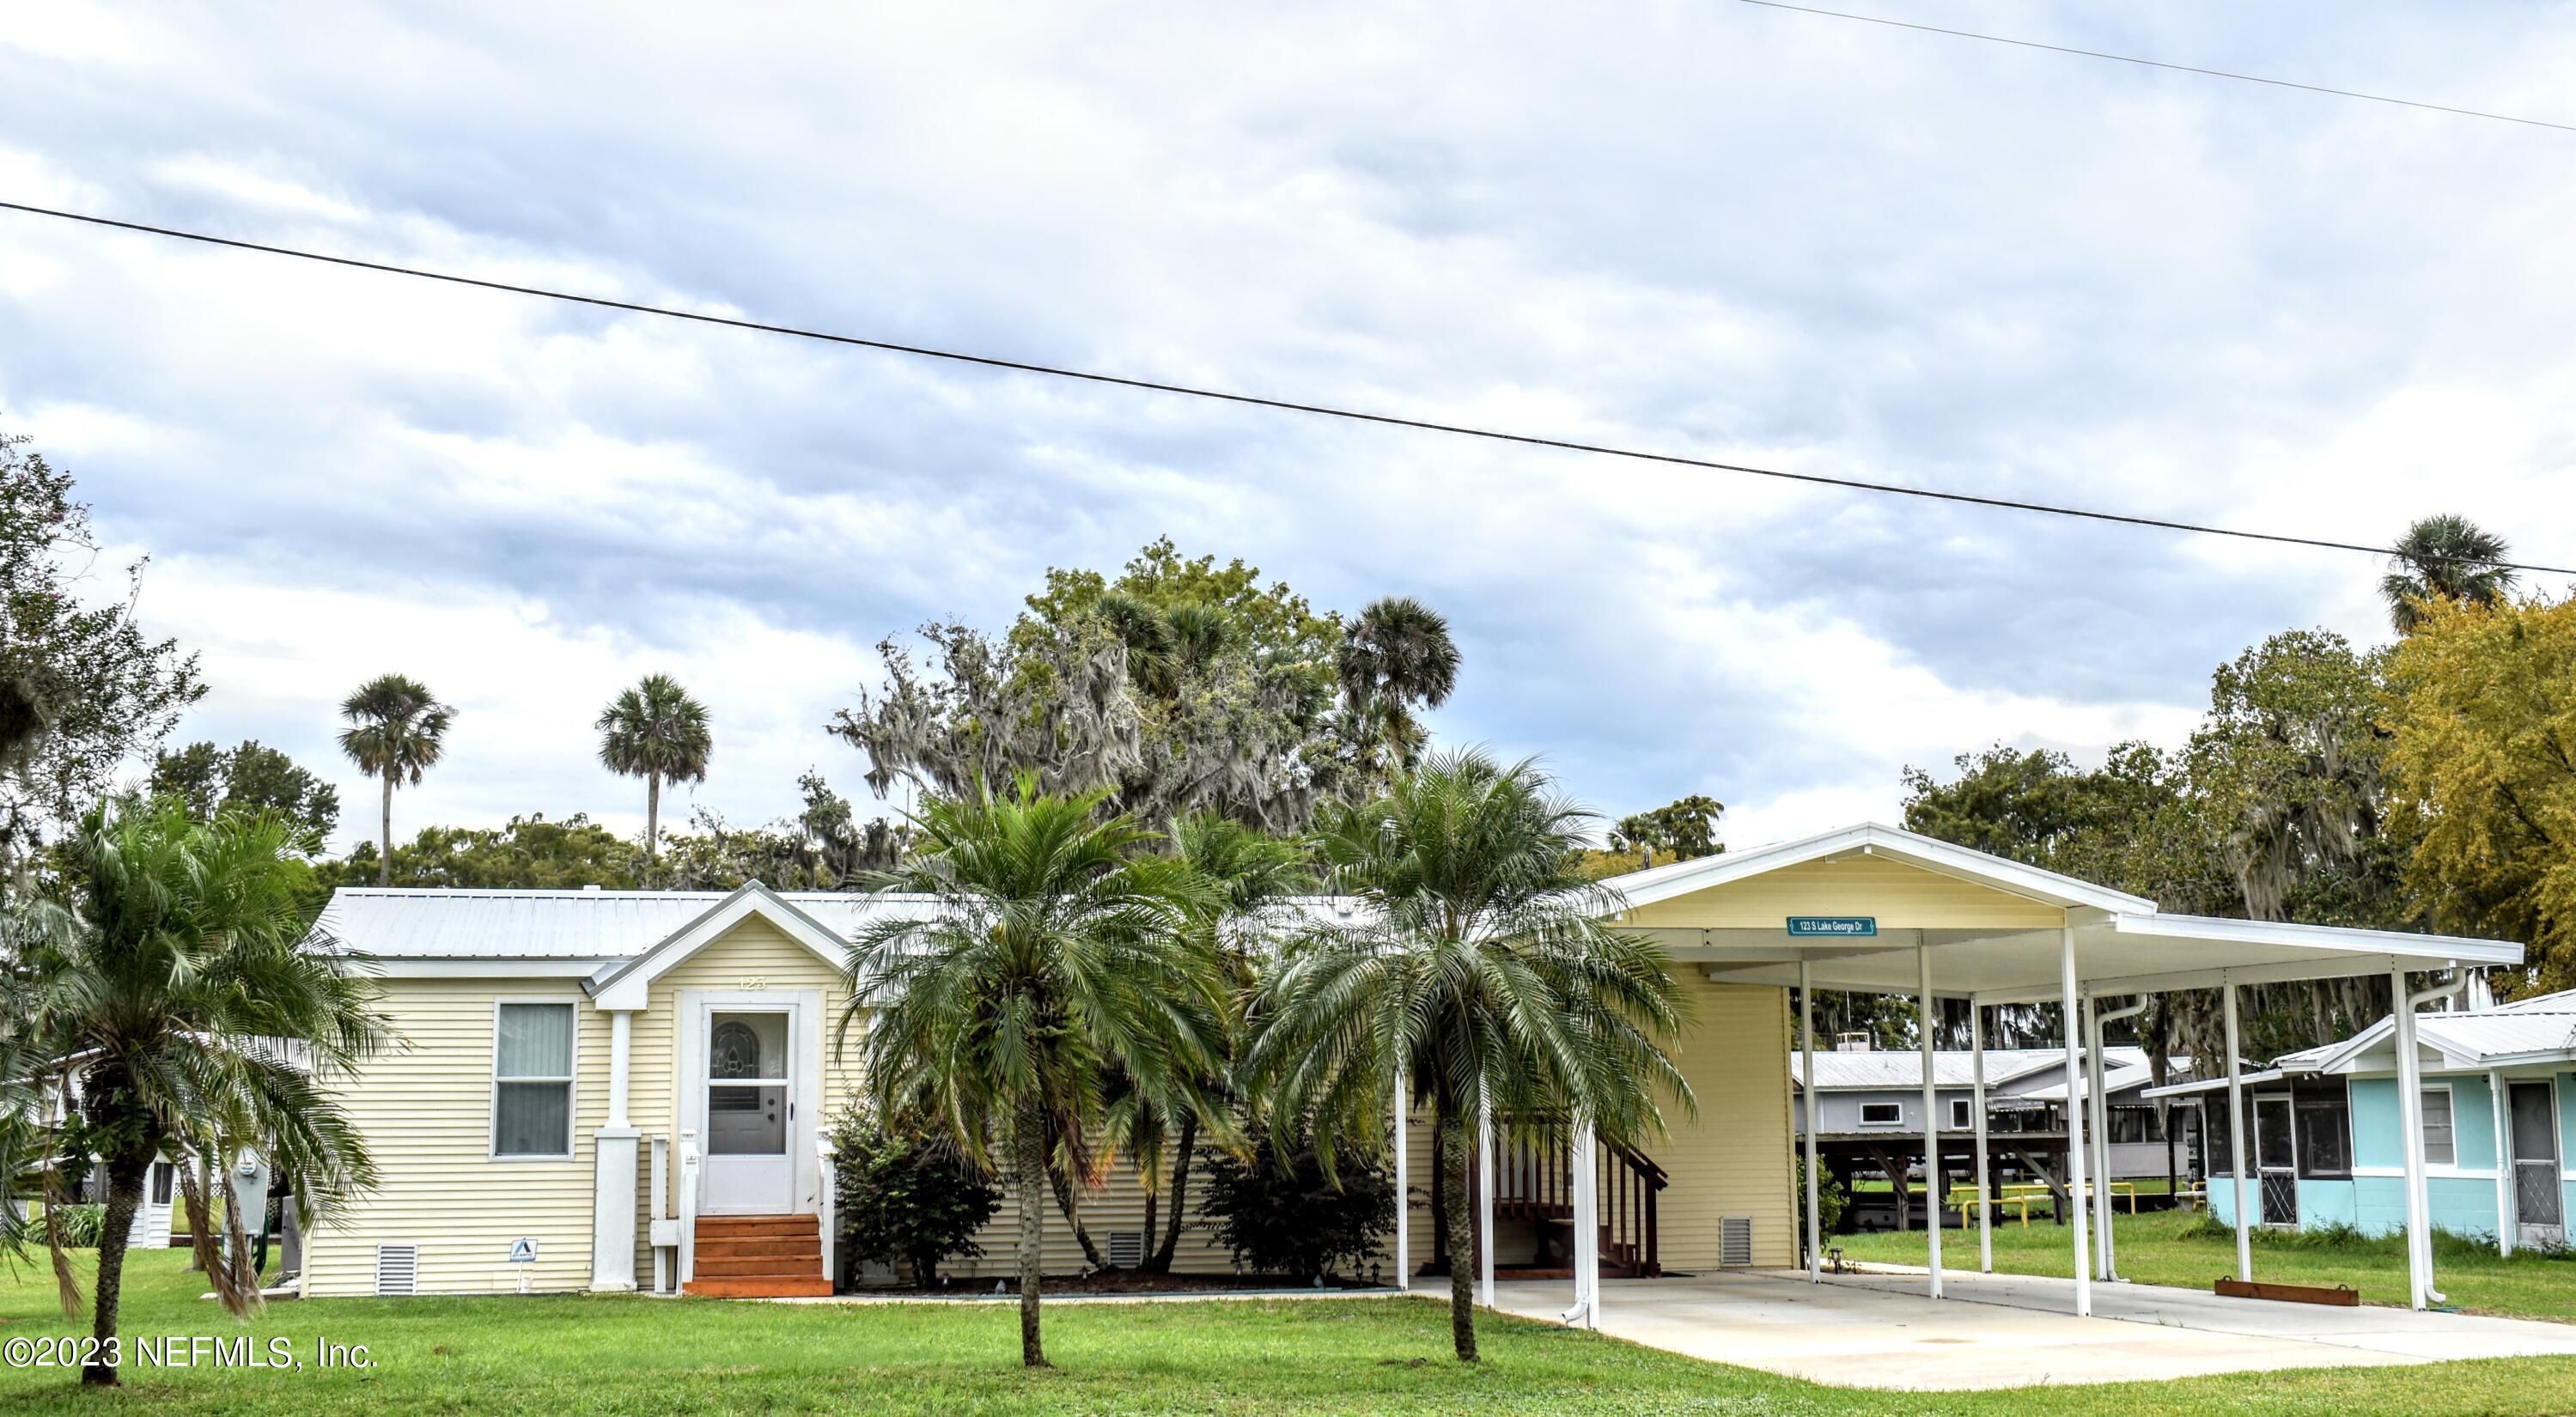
[(188, 1013), (1395, 655), (397, 730), (657, 732), (1478, 963), (1056, 958), (2448, 558), (1247, 879)]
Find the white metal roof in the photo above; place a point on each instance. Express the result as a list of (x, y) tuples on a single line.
[(1896, 844), (1883, 1069), (550, 925)]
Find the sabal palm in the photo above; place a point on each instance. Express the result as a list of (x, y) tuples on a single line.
[(658, 732), (1396, 654), (1247, 879), (191, 1014), (1479, 965), (2445, 557), (397, 731), (1056, 957)]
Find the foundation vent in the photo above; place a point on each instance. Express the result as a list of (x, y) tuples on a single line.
[(1735, 1242), (1126, 1249), (397, 1269)]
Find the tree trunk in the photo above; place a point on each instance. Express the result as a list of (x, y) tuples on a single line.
[(1029, 1141), (652, 816), (385, 865), (1462, 1255), (1180, 1193), (124, 1194), (205, 1187), (1071, 1205)]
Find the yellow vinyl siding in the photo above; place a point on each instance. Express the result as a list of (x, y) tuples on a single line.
[(1897, 895), (426, 1112), (1732, 1159), (752, 955)]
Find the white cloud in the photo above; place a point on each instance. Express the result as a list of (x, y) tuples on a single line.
[(1757, 237)]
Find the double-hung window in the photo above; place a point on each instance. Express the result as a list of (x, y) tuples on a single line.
[(1962, 1116), (532, 1080), (2439, 1149)]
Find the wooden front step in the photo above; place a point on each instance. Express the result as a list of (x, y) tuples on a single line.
[(758, 1257)]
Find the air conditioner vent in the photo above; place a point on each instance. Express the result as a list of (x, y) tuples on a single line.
[(1735, 1242), (1126, 1249), (397, 1269)]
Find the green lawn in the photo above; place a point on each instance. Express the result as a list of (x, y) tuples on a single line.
[(565, 1356), (2167, 1247)]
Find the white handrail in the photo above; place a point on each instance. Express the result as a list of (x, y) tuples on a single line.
[(689, 1182), (826, 1204)]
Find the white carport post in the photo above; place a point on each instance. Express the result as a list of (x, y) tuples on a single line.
[(1403, 1194), (1587, 1228), (1484, 1203), (1985, 1187), (2104, 1237), (2236, 1133), (1934, 1178), (1807, 1084), (2503, 1162), (2410, 1114), (2069, 1003)]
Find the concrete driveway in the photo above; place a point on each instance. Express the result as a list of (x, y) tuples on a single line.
[(1880, 1331)]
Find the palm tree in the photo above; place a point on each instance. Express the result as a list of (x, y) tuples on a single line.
[(1397, 654), (1246, 879), (657, 732), (1057, 956), (188, 1012), (2447, 558), (1477, 963), (397, 729)]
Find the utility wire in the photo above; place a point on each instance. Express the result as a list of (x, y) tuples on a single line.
[(1388, 420), (2160, 64)]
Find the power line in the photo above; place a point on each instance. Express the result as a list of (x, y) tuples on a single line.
[(1388, 420), (2160, 64)]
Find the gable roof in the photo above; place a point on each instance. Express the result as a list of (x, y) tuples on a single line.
[(1871, 838)]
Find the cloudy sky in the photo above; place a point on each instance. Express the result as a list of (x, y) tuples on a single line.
[(1706, 227)]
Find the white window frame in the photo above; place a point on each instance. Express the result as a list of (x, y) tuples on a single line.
[(1898, 1120), (571, 1082), (1963, 1115), (2451, 1111)]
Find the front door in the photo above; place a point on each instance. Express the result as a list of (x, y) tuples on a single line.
[(2276, 1161), (2540, 1221), (750, 1109)]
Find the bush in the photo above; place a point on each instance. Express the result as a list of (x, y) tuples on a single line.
[(1280, 1216), (1831, 1202), (81, 1224), (904, 1197)]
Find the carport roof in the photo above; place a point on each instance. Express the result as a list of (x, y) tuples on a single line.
[(1995, 928)]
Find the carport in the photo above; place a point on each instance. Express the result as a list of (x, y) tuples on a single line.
[(1873, 909)]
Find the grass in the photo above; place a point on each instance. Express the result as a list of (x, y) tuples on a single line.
[(576, 1355), (2169, 1247)]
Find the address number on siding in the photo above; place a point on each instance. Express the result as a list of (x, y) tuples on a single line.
[(752, 982)]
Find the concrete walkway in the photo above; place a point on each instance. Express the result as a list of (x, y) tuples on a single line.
[(1880, 1331)]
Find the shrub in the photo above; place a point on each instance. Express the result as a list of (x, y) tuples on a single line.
[(82, 1224), (903, 1197), (1831, 1202), (1279, 1215)]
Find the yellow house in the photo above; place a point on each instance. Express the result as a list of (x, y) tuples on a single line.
[(614, 1090)]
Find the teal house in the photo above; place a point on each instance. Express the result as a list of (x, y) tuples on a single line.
[(2323, 1131)]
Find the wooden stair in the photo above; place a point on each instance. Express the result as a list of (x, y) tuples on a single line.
[(759, 1257)]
